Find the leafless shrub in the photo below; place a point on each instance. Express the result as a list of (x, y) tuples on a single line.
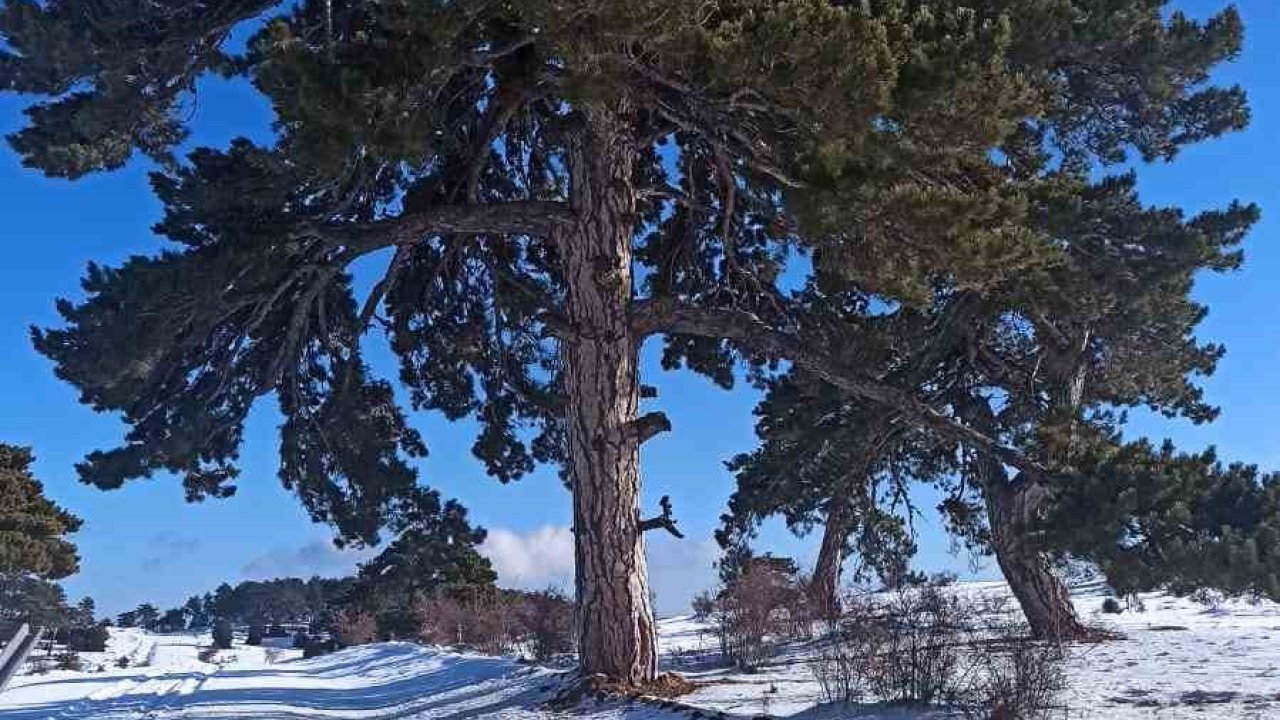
[(67, 660), (757, 610), (921, 646), (481, 620), (356, 627), (546, 623), (1017, 678)]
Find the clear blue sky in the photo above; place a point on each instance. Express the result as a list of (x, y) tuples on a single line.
[(144, 543)]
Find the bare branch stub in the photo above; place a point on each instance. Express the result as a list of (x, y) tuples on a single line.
[(648, 425), (665, 521)]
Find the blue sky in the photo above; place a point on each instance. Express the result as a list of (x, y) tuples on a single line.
[(144, 543)]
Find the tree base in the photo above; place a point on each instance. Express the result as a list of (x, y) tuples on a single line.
[(659, 692)]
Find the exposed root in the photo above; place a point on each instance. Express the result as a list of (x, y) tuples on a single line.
[(664, 687)]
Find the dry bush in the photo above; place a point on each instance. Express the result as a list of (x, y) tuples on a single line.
[(67, 660), (355, 627), (918, 637), (480, 620), (1018, 679), (920, 646), (546, 623), (762, 607)]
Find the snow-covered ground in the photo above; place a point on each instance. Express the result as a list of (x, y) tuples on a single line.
[(1179, 659)]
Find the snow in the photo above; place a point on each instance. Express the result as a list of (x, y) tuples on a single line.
[(1178, 659)]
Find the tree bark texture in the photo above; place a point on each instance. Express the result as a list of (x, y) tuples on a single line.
[(1045, 601), (824, 588), (617, 637)]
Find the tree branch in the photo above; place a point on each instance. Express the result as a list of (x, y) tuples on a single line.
[(518, 217), (648, 425), (668, 315), (664, 521)]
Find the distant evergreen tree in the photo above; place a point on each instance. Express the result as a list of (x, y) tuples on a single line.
[(127, 619), (172, 620), (146, 616), (549, 185), (84, 613), (32, 527), (194, 612), (434, 552)]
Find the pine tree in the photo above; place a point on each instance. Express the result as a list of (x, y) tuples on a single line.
[(433, 553), (146, 616), (84, 612), (25, 598), (32, 527), (1042, 361), (549, 185)]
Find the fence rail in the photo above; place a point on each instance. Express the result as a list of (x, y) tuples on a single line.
[(16, 651)]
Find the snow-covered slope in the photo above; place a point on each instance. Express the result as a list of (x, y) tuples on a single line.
[(1179, 660)]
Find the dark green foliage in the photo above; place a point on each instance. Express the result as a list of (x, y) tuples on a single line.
[(254, 637), (147, 616), (28, 599), (1156, 518), (842, 130), (32, 526), (92, 638), (434, 553), (283, 600)]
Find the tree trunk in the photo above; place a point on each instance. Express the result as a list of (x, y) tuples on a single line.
[(824, 588), (617, 637), (1011, 508)]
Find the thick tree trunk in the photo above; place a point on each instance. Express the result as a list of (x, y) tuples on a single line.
[(617, 637), (824, 588), (1043, 596)]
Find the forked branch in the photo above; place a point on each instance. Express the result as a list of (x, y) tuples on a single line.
[(665, 521)]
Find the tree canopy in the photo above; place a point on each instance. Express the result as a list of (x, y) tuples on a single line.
[(549, 184), (32, 527)]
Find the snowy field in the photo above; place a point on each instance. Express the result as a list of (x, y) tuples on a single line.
[(1179, 659)]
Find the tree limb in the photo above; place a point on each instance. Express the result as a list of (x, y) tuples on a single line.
[(518, 217), (669, 315), (665, 521), (648, 425)]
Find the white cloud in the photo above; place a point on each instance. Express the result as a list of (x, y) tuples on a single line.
[(532, 560), (318, 557), (544, 557)]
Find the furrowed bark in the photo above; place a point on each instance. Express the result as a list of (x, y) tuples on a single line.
[(1045, 601), (824, 588), (617, 637)]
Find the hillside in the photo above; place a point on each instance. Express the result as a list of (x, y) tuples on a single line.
[(1179, 659)]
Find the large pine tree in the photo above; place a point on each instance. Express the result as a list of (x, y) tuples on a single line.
[(549, 184)]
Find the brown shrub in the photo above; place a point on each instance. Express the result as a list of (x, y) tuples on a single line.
[(920, 646), (545, 623), (761, 607), (355, 627)]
